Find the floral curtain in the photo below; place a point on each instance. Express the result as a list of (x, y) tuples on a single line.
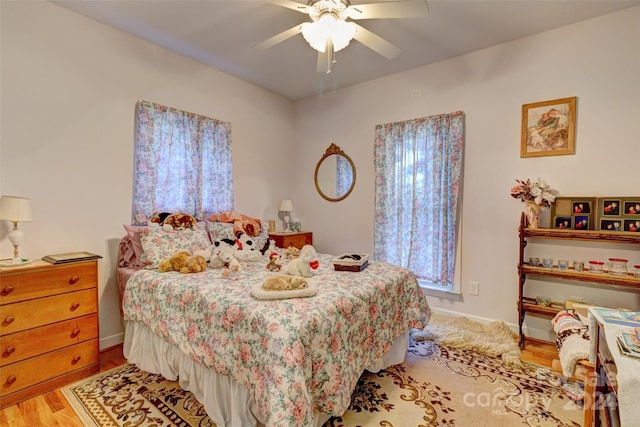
[(418, 175), (182, 162)]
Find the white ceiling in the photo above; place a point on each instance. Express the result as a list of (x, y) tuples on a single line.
[(223, 34)]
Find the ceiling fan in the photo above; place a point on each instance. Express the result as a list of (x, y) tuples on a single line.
[(329, 30)]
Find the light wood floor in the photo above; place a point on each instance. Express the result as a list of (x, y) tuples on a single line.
[(52, 410)]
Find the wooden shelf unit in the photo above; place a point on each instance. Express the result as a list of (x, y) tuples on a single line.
[(527, 305)]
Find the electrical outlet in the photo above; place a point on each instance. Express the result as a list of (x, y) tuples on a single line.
[(474, 288)]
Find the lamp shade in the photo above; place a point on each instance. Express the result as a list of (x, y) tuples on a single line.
[(16, 209), (286, 206)]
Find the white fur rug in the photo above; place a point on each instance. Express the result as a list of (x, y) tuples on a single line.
[(493, 339)]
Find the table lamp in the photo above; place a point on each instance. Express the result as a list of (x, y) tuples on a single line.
[(15, 209), (286, 206)]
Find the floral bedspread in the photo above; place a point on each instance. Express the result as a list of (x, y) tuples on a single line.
[(294, 355)]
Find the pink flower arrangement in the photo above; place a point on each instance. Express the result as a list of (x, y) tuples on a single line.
[(533, 192)]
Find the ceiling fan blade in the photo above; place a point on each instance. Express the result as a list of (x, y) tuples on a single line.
[(289, 4), (376, 43), (279, 38), (395, 9)]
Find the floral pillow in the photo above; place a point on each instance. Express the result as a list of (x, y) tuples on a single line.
[(225, 230), (220, 230), (262, 239), (159, 244)]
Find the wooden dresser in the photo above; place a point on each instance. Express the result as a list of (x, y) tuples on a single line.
[(296, 239), (49, 327)]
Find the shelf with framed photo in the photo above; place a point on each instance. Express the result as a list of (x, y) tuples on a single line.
[(628, 281), (616, 213), (574, 213)]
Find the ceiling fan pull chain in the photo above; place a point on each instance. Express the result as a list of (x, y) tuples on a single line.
[(331, 54)]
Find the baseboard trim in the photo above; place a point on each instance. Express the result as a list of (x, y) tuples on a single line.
[(111, 341)]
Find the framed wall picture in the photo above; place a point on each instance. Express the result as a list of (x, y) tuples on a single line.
[(575, 213), (616, 213), (548, 128)]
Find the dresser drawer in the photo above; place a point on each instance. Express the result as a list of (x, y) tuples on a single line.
[(38, 369), (20, 346), (43, 311), (17, 286)]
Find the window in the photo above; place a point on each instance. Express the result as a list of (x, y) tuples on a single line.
[(418, 177), (182, 163)]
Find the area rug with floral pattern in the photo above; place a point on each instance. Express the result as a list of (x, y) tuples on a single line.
[(435, 386)]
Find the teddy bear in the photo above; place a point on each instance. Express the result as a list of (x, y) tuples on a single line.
[(195, 264), (302, 265), (183, 262), (284, 283)]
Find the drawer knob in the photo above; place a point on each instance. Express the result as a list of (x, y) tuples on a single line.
[(74, 280), (7, 290), (11, 379), (76, 359), (9, 350), (75, 333), (9, 319), (75, 306)]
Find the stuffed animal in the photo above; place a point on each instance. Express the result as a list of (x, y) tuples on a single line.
[(173, 221), (246, 248), (302, 265), (211, 254), (274, 264), (183, 262), (195, 264), (292, 252), (227, 256), (232, 265), (272, 246), (284, 283)]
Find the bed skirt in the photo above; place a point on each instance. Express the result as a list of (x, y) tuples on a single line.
[(227, 402)]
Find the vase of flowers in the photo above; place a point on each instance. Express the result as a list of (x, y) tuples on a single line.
[(535, 195)]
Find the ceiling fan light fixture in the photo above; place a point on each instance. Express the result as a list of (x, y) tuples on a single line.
[(328, 26)]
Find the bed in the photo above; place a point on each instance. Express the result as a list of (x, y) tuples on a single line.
[(250, 362)]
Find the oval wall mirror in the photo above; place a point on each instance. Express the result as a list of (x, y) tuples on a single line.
[(335, 174)]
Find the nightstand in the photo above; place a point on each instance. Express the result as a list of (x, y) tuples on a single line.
[(49, 327), (296, 239)]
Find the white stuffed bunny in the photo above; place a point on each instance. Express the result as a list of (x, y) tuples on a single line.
[(302, 265)]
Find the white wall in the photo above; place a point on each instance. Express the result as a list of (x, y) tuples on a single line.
[(597, 60), (69, 87)]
